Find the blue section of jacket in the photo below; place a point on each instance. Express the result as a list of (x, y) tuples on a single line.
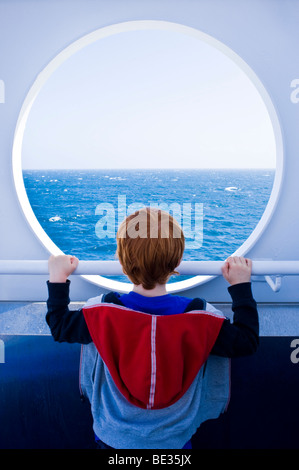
[(161, 305)]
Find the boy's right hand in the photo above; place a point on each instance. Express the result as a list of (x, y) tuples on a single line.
[(237, 270), (61, 266)]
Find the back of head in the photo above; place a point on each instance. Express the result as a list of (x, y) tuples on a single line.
[(150, 245)]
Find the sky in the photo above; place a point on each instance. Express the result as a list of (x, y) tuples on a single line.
[(148, 99)]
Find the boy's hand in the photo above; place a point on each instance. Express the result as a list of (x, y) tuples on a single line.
[(61, 266), (237, 269)]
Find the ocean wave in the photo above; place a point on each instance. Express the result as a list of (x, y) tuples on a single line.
[(229, 217)]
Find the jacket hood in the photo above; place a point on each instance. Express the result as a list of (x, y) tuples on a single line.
[(152, 359)]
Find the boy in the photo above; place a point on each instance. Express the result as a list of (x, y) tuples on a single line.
[(154, 365)]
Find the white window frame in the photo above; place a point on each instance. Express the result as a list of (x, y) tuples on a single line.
[(45, 74)]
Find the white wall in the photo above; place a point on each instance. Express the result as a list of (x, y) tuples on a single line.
[(264, 33)]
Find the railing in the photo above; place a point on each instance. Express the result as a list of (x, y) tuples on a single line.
[(263, 268), (110, 268)]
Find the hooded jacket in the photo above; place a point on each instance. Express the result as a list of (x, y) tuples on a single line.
[(149, 378)]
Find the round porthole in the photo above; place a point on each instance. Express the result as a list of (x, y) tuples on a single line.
[(147, 113)]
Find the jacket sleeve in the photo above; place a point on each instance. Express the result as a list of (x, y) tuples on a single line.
[(240, 338), (65, 325)]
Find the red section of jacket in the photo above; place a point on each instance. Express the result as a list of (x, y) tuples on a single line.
[(152, 359)]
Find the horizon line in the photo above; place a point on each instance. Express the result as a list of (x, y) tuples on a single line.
[(149, 168)]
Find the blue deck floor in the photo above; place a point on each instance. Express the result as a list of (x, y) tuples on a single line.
[(41, 406)]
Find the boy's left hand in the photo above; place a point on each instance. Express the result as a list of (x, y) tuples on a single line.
[(237, 269), (61, 266)]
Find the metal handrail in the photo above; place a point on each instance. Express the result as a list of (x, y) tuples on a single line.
[(110, 268)]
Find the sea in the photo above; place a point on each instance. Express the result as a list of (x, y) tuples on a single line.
[(80, 210)]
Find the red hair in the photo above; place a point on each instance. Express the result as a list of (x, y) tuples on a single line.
[(150, 245)]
